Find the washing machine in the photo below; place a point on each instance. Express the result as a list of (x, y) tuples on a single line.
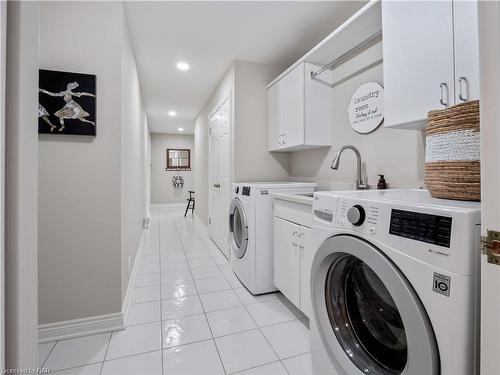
[(251, 233), (394, 284)]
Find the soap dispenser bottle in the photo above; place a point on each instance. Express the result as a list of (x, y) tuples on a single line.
[(381, 182)]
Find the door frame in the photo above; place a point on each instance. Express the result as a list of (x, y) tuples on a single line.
[(3, 71), (21, 185), (489, 68), (211, 208)]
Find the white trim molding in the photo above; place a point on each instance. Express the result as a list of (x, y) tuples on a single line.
[(168, 205), (200, 224), (131, 280), (80, 327)]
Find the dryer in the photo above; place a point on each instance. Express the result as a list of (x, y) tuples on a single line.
[(251, 231), (394, 284)]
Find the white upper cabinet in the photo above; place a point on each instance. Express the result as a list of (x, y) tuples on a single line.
[(466, 50), (299, 111), (430, 57)]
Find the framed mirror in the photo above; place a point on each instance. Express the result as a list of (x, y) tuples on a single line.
[(178, 159)]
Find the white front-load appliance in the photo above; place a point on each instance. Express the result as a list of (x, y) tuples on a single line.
[(251, 231), (394, 284)]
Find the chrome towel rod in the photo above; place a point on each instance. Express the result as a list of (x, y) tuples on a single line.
[(347, 56)]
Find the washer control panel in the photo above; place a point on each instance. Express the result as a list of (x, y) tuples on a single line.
[(357, 216)]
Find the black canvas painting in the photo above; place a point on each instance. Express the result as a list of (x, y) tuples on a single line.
[(66, 103)]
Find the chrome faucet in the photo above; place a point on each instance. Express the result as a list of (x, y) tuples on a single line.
[(360, 185)]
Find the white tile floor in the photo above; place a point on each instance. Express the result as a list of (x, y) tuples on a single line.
[(189, 315)]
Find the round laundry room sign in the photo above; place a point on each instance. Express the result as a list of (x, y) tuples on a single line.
[(366, 108)]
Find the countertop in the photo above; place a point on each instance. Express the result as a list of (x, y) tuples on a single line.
[(296, 198)]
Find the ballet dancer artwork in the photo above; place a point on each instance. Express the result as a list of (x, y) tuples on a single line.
[(67, 103)]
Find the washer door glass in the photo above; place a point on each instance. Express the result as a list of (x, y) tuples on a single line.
[(238, 228), (365, 318)]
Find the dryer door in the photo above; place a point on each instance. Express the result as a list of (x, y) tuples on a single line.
[(369, 318), (238, 228)]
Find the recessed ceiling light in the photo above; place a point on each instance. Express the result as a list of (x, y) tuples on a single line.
[(181, 65), (172, 113), (180, 129)]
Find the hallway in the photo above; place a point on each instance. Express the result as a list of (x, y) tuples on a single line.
[(189, 315)]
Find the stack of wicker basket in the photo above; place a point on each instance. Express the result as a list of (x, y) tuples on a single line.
[(452, 156)]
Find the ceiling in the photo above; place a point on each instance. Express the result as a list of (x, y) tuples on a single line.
[(209, 36)]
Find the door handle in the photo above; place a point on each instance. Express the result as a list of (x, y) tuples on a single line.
[(466, 81), (444, 98), (444, 94)]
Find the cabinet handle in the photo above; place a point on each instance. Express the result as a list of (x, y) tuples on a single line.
[(444, 101), (217, 186), (466, 81)]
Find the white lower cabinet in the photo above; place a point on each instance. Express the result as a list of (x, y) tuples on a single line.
[(292, 262)]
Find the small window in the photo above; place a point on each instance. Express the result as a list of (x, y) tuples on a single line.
[(178, 159)]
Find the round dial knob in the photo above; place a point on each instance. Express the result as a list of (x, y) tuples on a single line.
[(356, 215)]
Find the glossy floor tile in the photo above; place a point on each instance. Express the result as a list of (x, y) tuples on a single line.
[(194, 359), (144, 364), (275, 368), (244, 350), (78, 352), (189, 315), (300, 365)]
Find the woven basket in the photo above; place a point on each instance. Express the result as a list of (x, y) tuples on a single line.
[(452, 154)]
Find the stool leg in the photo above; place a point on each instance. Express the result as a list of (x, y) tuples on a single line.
[(187, 208), (192, 208)]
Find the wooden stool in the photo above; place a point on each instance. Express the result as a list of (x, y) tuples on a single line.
[(190, 204)]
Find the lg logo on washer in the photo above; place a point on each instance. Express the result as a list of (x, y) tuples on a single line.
[(441, 284)]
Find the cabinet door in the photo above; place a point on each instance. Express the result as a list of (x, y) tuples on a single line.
[(274, 118), (287, 259), (292, 97), (466, 50), (305, 271), (418, 60)]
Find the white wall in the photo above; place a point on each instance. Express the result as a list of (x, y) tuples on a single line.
[(399, 154), (224, 89), (162, 189), (245, 83), (252, 161), (92, 192), (21, 349), (134, 159)]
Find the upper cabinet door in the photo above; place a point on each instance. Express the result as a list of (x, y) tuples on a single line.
[(292, 96), (274, 120), (418, 60), (466, 50)]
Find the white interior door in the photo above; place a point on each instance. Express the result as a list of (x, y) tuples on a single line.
[(489, 50), (219, 175)]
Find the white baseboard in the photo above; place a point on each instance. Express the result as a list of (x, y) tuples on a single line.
[(95, 324), (131, 280), (80, 327), (200, 224), (169, 205)]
